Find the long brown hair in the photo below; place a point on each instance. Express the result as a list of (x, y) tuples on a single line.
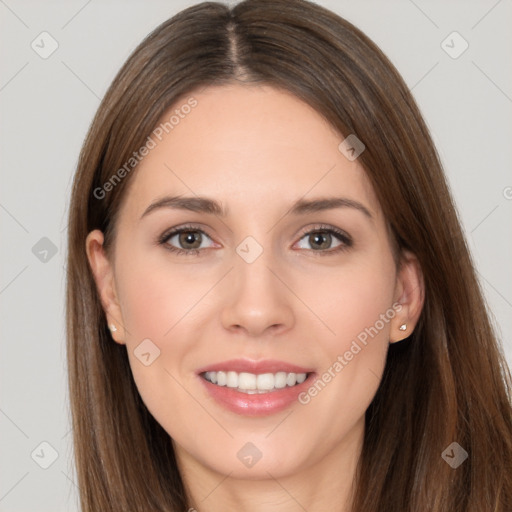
[(448, 382)]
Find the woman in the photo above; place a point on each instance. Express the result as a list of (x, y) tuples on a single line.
[(271, 305)]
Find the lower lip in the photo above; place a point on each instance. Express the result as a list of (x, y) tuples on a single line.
[(258, 404)]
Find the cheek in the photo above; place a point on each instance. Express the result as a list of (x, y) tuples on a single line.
[(358, 309), (155, 294), (362, 304), (161, 301), (353, 300)]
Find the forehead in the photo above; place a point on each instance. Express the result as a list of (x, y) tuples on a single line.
[(250, 147)]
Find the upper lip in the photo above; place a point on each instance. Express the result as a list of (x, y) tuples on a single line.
[(256, 367)]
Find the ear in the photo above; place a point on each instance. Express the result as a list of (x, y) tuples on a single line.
[(103, 273), (410, 294)]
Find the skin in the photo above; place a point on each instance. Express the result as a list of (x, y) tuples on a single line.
[(256, 150)]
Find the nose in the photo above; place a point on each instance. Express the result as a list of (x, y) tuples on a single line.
[(258, 303)]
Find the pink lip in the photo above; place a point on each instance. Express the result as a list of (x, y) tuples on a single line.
[(257, 367), (257, 404)]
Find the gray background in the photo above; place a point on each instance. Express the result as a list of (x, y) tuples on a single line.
[(46, 108)]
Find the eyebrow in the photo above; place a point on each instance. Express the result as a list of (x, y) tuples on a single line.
[(212, 207)]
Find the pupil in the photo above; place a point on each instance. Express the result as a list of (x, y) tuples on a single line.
[(187, 238), (317, 240)]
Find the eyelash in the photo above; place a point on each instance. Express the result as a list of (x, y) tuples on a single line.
[(346, 241)]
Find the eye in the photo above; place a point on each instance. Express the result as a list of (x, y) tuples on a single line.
[(321, 240), (185, 240), (191, 240)]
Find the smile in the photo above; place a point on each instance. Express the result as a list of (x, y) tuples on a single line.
[(252, 383)]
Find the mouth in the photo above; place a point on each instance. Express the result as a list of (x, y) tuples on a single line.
[(255, 388)]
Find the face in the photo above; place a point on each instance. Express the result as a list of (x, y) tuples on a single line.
[(256, 314)]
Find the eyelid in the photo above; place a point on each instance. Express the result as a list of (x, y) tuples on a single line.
[(168, 233), (178, 251), (323, 227), (343, 237)]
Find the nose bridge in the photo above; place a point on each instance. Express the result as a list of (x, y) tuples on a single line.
[(257, 300), (254, 276)]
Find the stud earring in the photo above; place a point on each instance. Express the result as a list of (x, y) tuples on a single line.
[(403, 327), (112, 328)]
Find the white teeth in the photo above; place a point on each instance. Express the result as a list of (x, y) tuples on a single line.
[(232, 380), (291, 379), (211, 376), (301, 377), (247, 380), (265, 381), (280, 380), (251, 383)]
